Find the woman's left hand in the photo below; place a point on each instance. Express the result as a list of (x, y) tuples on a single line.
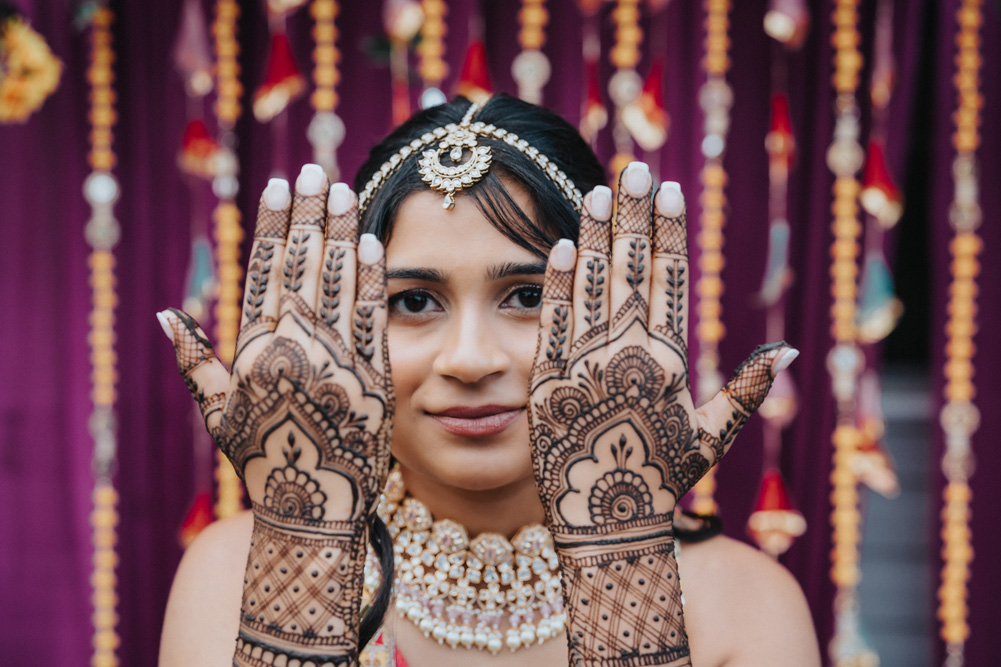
[(616, 437)]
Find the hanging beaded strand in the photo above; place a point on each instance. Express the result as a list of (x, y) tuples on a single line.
[(431, 63), (102, 233), (326, 130), (531, 68), (715, 97), (960, 417), (845, 360), (626, 84), (228, 232)]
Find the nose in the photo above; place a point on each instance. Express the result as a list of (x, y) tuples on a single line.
[(471, 350)]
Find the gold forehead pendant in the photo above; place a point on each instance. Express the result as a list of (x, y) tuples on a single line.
[(468, 161)]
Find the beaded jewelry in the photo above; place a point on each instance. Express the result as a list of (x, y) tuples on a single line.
[(486, 592), (470, 161)]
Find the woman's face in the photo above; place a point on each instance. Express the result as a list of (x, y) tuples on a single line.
[(463, 322)]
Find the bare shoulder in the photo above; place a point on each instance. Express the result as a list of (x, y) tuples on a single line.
[(744, 609), (203, 611)]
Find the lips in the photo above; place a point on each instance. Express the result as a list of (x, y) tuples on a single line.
[(479, 421)]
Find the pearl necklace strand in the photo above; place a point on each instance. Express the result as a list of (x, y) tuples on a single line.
[(484, 593)]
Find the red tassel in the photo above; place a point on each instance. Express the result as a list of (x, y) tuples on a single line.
[(198, 150), (880, 195), (474, 82), (775, 523), (282, 84), (198, 518), (781, 142)]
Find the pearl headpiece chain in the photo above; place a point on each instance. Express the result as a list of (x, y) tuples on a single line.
[(469, 161)]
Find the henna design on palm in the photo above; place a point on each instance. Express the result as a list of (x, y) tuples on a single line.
[(616, 438), (305, 418)]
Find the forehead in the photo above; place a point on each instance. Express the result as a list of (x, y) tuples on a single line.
[(426, 234)]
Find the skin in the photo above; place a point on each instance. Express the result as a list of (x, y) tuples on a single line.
[(462, 333)]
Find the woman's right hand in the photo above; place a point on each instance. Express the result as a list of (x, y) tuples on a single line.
[(305, 416)]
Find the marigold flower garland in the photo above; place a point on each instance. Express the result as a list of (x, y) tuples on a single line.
[(326, 130), (228, 231), (101, 190), (960, 416), (715, 98), (531, 67), (845, 360)]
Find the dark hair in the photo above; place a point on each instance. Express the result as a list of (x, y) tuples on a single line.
[(553, 217)]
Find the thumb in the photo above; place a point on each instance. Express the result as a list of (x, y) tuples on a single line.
[(207, 379), (722, 418)]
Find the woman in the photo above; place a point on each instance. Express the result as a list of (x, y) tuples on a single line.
[(522, 392)]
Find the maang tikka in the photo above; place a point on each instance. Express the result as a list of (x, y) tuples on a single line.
[(469, 161)]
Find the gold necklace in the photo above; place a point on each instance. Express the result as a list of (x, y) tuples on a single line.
[(486, 592)]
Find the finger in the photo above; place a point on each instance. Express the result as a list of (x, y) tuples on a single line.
[(669, 279), (631, 266), (337, 275), (556, 318), (369, 321), (304, 247), (722, 418), (207, 379), (590, 296), (260, 296)]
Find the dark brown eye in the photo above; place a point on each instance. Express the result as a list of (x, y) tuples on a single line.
[(528, 297), (412, 302)]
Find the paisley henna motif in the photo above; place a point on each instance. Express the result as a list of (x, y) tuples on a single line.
[(616, 439), (305, 418)]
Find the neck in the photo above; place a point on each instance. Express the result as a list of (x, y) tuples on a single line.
[(503, 510)]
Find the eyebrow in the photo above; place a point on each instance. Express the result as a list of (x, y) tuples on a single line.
[(497, 272), (509, 269)]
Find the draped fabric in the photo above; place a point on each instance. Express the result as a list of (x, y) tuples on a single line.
[(45, 448)]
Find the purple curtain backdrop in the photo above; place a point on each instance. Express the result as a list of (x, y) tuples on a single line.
[(45, 449)]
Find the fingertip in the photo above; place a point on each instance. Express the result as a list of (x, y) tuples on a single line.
[(311, 180), (163, 317), (563, 256), (340, 199), (670, 201), (636, 178), (277, 196), (370, 250), (600, 202), (783, 360)]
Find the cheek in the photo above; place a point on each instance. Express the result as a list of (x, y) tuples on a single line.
[(409, 361)]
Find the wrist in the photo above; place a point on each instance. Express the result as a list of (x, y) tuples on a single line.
[(302, 591), (623, 598)]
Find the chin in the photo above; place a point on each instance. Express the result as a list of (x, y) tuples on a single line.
[(470, 464)]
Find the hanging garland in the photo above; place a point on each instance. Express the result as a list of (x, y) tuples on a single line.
[(960, 416), (845, 361), (626, 84), (326, 130), (715, 97), (228, 232), (531, 69), (101, 191), (431, 63)]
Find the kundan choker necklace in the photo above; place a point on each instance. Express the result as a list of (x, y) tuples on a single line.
[(486, 592)]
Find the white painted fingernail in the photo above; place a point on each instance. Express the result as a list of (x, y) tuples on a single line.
[(564, 255), (369, 249), (601, 202), (783, 360), (311, 180), (163, 316), (670, 201), (277, 196), (340, 198), (636, 179)]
